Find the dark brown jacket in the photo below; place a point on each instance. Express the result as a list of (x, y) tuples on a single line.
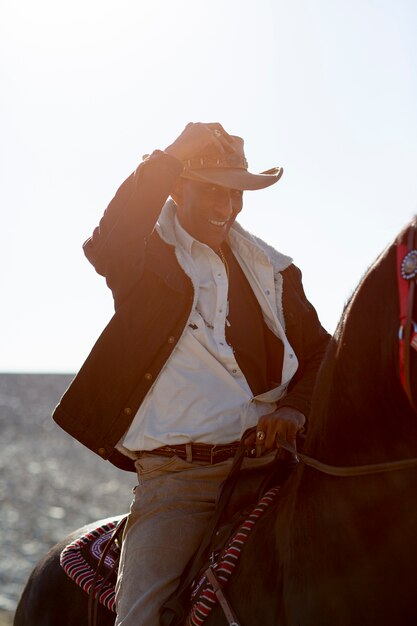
[(153, 300)]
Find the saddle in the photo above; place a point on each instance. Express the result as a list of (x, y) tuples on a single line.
[(92, 559)]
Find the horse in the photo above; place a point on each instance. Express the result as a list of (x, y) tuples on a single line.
[(338, 545), (340, 548)]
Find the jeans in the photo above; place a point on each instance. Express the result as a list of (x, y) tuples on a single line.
[(173, 504)]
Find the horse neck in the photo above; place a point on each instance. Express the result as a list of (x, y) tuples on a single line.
[(335, 536), (360, 413)]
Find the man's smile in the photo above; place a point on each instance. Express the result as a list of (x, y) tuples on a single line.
[(217, 223)]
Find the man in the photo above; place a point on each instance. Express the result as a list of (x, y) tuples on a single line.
[(212, 334)]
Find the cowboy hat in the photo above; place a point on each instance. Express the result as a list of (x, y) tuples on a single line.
[(228, 169)]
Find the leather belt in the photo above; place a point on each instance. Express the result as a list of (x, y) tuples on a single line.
[(203, 452)]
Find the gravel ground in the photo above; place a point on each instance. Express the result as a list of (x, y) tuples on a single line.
[(49, 483)]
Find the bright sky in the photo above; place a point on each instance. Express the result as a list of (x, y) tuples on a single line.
[(325, 88)]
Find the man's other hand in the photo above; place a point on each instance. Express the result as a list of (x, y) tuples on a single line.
[(285, 422)]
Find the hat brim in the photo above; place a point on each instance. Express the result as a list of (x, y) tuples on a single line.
[(236, 178)]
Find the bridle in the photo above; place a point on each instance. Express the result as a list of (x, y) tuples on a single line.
[(407, 334)]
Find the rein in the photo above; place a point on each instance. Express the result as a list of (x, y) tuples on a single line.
[(350, 470)]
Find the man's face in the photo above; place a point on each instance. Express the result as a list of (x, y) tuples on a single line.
[(207, 211)]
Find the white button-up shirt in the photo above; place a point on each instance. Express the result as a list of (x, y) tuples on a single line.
[(201, 394)]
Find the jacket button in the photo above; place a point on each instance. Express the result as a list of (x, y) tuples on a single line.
[(102, 452), (148, 376), (127, 411), (171, 339)]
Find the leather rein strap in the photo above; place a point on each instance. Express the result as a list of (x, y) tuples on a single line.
[(350, 470), (218, 590), (95, 589)]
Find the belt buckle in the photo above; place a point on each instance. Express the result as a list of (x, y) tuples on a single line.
[(225, 452)]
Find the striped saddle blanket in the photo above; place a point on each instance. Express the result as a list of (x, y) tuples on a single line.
[(80, 559)]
